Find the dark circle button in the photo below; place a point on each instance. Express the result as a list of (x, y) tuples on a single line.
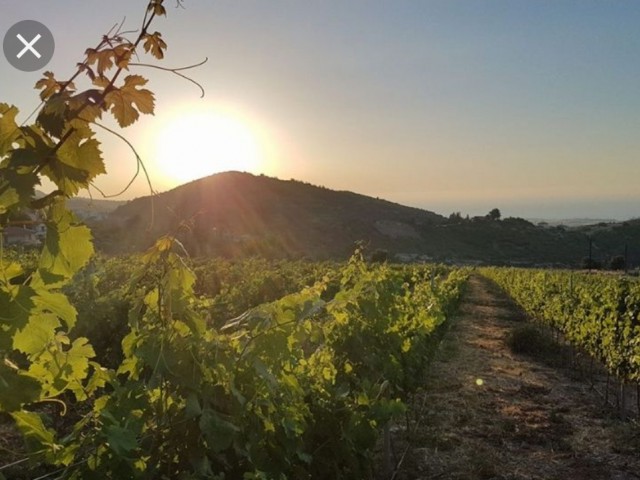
[(28, 45)]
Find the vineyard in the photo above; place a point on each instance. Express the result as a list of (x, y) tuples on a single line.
[(597, 314), (160, 366), (163, 366), (295, 386)]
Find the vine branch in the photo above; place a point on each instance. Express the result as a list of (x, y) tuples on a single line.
[(139, 163), (176, 71)]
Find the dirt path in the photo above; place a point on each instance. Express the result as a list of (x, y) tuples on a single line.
[(488, 413)]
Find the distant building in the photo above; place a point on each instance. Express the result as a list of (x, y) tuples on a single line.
[(20, 236), (40, 230), (413, 258)]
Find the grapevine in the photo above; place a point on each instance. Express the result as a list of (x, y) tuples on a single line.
[(295, 387), (597, 313)]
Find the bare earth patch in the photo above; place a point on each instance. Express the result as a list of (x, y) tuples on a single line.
[(486, 413)]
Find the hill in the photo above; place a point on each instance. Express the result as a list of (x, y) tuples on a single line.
[(571, 222), (89, 208), (236, 214)]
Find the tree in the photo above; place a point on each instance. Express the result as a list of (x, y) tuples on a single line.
[(590, 264), (379, 256), (494, 214), (617, 263), (455, 217)]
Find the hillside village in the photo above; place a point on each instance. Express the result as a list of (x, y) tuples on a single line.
[(28, 231)]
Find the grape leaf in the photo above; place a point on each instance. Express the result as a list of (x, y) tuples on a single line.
[(37, 436), (77, 365), (82, 151), (9, 271), (121, 100), (122, 56), (17, 177), (104, 58), (101, 376), (192, 408), (76, 163), (37, 334), (9, 131), (59, 369), (121, 440), (157, 8), (52, 116), (15, 305), (102, 82), (50, 85), (67, 246), (56, 303), (8, 198), (86, 106), (34, 138), (218, 431), (16, 389), (83, 67), (153, 43)]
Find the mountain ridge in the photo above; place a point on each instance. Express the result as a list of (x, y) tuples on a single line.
[(235, 214)]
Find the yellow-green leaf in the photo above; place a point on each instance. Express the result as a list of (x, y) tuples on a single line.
[(67, 247), (15, 307), (37, 334), (38, 436), (9, 271), (121, 100), (76, 163), (8, 198), (58, 304), (9, 131)]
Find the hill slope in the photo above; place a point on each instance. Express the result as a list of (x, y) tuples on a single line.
[(92, 208), (234, 214), (238, 213)]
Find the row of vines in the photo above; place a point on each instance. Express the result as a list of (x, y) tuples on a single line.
[(294, 388), (223, 288), (599, 314)]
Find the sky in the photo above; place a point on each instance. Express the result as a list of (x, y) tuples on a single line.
[(529, 106)]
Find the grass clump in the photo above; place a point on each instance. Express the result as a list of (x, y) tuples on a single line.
[(530, 340)]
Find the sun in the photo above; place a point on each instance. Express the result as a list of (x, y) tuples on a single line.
[(193, 145)]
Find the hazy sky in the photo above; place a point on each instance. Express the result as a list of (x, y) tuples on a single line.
[(530, 106)]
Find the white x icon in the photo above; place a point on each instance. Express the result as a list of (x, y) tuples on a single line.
[(29, 46)]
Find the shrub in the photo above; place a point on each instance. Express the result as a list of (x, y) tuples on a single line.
[(529, 340)]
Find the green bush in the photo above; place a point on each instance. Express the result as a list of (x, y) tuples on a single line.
[(529, 340)]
